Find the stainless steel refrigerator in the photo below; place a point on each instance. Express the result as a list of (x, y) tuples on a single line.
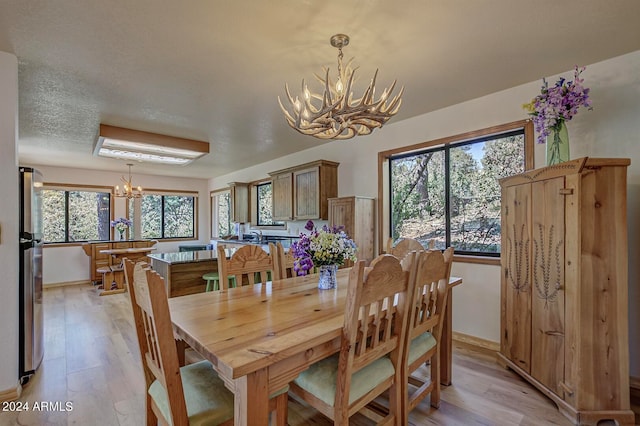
[(30, 285)]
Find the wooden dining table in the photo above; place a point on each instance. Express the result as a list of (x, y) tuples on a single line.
[(260, 337)]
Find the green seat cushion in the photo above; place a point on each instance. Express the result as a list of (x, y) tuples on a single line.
[(420, 345), (208, 401), (320, 378)]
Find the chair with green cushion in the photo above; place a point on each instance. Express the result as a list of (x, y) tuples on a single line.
[(213, 281), (193, 394), (370, 358), (429, 301)]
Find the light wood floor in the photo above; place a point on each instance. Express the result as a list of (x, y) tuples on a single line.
[(93, 362)]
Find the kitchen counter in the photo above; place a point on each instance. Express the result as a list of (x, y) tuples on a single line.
[(188, 256), (285, 240), (183, 271)]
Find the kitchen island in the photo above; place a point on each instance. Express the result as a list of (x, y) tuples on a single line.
[(183, 271)]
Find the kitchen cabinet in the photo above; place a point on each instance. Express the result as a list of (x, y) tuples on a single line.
[(99, 260), (239, 202), (302, 192), (564, 301), (357, 215), (282, 193)]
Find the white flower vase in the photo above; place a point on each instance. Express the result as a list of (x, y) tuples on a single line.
[(328, 277)]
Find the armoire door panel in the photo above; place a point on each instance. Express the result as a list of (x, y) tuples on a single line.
[(547, 307), (516, 280)]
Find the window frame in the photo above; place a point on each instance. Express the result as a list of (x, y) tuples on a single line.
[(136, 217), (214, 218), (384, 157), (51, 186), (258, 225)]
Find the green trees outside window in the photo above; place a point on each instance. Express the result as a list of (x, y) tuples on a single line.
[(450, 194), (165, 216), (75, 215)]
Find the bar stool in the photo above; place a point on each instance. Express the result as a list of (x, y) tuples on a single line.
[(213, 281)]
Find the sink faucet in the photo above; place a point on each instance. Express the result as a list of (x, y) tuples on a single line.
[(258, 234)]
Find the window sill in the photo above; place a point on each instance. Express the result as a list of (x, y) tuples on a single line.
[(476, 259)]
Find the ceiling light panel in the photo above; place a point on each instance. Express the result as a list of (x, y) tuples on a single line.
[(128, 144)]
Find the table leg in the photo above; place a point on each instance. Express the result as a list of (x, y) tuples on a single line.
[(251, 404), (446, 345)]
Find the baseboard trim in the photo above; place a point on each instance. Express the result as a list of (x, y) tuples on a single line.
[(65, 284), (11, 394), (476, 341)]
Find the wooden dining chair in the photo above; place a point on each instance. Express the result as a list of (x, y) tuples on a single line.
[(249, 264), (193, 394), (403, 246), (283, 262), (426, 317), (370, 357)]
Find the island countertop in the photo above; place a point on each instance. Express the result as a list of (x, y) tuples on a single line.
[(188, 256)]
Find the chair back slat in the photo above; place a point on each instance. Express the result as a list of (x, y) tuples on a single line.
[(244, 264)]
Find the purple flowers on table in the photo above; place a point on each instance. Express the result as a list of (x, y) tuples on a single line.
[(327, 246), (557, 104)]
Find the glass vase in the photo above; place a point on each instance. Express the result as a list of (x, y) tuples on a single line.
[(121, 235), (328, 277), (558, 144)]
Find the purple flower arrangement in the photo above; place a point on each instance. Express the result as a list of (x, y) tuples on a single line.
[(326, 246), (557, 104), (121, 224)]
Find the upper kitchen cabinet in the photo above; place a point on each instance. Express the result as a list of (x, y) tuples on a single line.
[(282, 192), (302, 192), (239, 202)]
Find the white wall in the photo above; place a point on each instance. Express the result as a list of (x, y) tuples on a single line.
[(68, 264), (8, 221), (612, 129)]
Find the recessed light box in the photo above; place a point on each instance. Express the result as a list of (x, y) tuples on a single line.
[(128, 144)]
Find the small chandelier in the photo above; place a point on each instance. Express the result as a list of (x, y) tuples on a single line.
[(340, 116), (128, 191)]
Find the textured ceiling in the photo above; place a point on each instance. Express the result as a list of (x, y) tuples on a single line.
[(212, 70)]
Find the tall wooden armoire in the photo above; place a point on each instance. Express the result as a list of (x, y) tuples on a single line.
[(564, 312)]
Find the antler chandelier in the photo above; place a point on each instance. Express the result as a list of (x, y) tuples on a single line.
[(339, 115), (128, 191)]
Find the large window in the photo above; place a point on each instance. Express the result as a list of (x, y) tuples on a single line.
[(221, 225), (164, 216), (264, 205), (449, 193), (78, 214)]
